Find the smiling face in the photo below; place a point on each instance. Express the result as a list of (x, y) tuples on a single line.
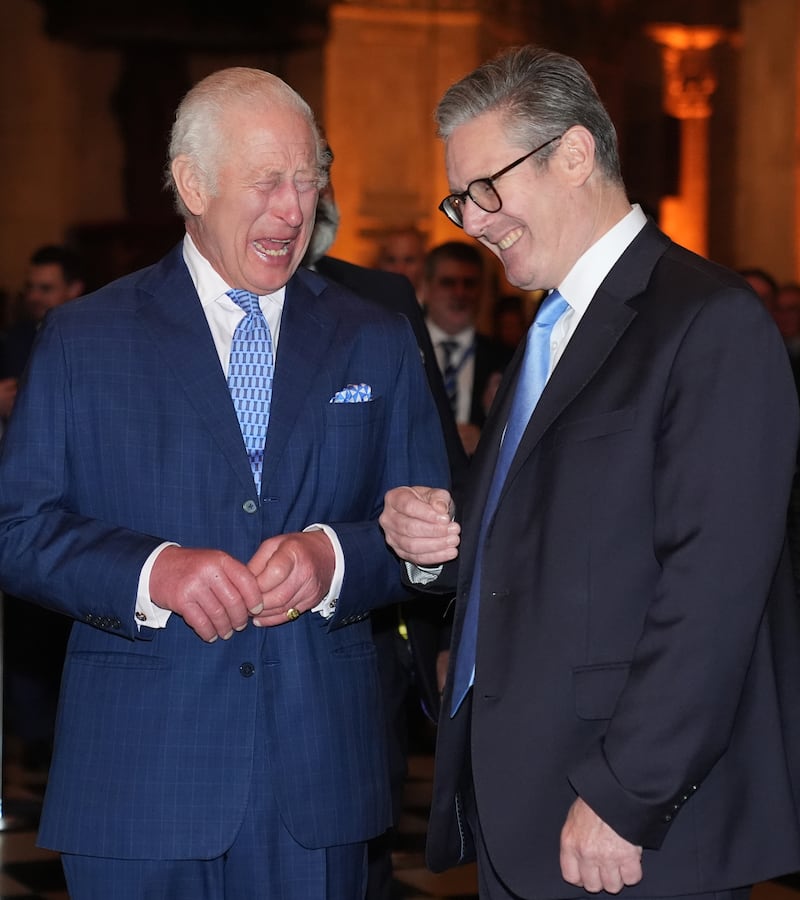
[(533, 233), (255, 225)]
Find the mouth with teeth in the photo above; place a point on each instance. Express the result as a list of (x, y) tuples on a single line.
[(510, 239), (272, 247)]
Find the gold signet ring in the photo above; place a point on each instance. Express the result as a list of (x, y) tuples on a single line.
[(292, 614)]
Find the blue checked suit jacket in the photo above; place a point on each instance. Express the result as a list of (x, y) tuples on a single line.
[(124, 436)]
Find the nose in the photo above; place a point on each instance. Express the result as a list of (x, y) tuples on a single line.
[(286, 204), (462, 290), (474, 218)]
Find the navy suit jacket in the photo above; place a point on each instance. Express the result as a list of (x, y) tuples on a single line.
[(638, 642), (124, 435)]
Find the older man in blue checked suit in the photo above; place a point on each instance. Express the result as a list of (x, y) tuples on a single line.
[(220, 730)]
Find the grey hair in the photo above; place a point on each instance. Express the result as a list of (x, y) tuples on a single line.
[(540, 94), (198, 128)]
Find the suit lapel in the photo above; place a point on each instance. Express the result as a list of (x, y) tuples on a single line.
[(605, 321), (598, 332), (307, 329), (602, 325), (172, 313)]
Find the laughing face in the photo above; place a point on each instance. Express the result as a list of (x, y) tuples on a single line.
[(531, 233), (254, 226)]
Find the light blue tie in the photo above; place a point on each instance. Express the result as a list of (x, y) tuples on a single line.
[(531, 382), (250, 378)]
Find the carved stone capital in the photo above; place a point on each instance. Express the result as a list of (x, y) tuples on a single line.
[(689, 77)]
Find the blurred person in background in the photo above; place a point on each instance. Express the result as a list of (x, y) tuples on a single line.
[(509, 320), (402, 251), (55, 275), (471, 363), (34, 639)]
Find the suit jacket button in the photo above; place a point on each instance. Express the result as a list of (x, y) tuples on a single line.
[(250, 506), (247, 669), (667, 819)]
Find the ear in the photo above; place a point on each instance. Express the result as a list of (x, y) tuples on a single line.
[(577, 154), (190, 185)]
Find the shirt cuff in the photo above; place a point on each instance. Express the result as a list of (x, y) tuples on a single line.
[(327, 606), (147, 613), (422, 574)]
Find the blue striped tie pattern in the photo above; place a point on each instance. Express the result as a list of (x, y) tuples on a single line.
[(450, 372), (250, 374), (530, 384)]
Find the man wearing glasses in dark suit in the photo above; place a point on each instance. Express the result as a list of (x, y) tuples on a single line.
[(621, 710)]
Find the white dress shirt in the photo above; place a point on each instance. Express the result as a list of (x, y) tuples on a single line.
[(586, 276)]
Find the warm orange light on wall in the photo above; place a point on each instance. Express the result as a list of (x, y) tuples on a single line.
[(689, 80), (689, 83)]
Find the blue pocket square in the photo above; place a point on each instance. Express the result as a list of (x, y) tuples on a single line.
[(353, 393)]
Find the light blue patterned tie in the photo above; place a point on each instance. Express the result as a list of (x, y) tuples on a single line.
[(250, 378), (531, 382)]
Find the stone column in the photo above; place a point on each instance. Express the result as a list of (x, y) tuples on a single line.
[(768, 145), (59, 152), (689, 83), (387, 63)]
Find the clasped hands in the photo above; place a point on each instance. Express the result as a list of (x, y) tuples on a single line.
[(216, 594)]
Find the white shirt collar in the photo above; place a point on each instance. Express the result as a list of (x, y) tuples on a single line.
[(464, 338), (210, 285), (587, 274)]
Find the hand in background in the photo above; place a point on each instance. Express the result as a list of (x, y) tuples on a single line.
[(470, 435), (442, 664), (8, 394)]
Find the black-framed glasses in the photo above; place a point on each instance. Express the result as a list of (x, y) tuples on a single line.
[(482, 191)]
